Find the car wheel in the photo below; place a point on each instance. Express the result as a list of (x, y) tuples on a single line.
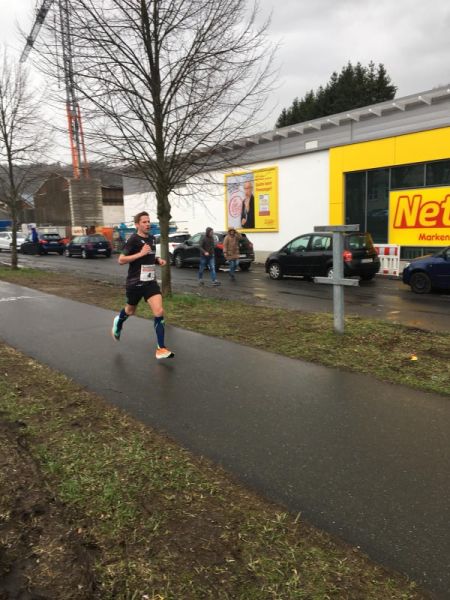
[(171, 259), (330, 272), (108, 255), (420, 283), (84, 254), (178, 260), (244, 267), (61, 252), (275, 271), (367, 276), (67, 253)]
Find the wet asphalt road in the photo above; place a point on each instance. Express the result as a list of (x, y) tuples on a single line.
[(383, 298), (365, 460)]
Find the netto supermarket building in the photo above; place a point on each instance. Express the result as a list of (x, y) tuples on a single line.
[(385, 167)]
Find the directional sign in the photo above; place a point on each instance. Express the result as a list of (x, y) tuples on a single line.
[(338, 281)]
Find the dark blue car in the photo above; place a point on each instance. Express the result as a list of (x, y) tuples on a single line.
[(428, 272), (88, 246)]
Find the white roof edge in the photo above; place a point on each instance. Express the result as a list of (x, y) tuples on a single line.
[(355, 114)]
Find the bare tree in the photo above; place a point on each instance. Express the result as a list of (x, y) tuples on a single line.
[(167, 83), (22, 140)]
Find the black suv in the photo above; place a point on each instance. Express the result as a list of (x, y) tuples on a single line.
[(311, 255), (188, 253), (47, 242)]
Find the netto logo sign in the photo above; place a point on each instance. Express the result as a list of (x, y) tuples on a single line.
[(417, 212), (419, 216)]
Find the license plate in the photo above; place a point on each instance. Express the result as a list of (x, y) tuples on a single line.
[(367, 260), (101, 250), (242, 256)]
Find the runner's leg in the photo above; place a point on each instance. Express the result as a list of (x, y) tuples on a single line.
[(156, 306)]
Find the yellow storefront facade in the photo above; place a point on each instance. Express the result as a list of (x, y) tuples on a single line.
[(397, 188)]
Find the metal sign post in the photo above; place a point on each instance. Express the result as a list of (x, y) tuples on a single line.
[(338, 281)]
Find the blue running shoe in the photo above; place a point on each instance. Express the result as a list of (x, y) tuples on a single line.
[(115, 331)]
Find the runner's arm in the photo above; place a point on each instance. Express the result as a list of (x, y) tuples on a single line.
[(125, 259)]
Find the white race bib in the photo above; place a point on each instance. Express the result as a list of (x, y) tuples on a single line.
[(147, 273)]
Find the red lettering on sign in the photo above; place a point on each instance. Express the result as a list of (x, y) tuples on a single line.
[(416, 213)]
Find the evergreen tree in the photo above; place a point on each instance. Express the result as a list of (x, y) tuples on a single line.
[(353, 87)]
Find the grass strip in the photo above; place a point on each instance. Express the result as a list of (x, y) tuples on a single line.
[(388, 351), (144, 518)]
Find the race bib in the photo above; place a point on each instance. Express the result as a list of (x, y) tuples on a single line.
[(147, 273)]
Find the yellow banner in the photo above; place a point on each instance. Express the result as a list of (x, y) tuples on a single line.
[(420, 217), (251, 200)]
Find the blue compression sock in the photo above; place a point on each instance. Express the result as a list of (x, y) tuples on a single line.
[(122, 318), (159, 329)]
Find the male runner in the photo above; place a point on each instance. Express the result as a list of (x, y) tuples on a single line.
[(139, 254)]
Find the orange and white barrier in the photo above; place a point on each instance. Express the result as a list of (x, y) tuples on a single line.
[(389, 255)]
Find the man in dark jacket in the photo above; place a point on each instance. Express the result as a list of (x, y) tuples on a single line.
[(207, 256)]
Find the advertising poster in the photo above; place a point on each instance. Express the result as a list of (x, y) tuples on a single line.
[(420, 217), (252, 200)]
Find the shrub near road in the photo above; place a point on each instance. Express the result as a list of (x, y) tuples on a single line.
[(94, 505)]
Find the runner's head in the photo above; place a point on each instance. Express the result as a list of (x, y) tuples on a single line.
[(142, 222), (209, 231)]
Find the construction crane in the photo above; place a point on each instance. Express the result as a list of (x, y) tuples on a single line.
[(75, 126)]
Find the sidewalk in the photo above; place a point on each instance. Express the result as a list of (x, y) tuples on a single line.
[(365, 460)]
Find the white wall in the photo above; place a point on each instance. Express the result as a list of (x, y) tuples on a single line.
[(113, 214), (303, 193)]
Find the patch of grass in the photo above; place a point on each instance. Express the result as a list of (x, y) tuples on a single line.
[(160, 522), (378, 348)]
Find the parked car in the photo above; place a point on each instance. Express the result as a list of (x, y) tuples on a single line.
[(88, 246), (311, 255), (6, 240), (188, 253), (174, 240), (428, 272), (47, 242)]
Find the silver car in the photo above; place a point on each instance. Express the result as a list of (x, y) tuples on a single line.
[(6, 240)]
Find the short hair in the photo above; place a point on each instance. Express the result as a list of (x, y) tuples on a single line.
[(137, 217)]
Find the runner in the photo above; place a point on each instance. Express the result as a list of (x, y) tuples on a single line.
[(139, 254)]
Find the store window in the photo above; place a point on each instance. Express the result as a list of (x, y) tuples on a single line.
[(378, 204), (355, 199), (408, 176), (438, 173)]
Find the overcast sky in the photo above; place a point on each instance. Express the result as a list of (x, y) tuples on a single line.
[(317, 37)]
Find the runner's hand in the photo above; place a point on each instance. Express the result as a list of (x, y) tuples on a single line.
[(161, 262), (146, 249)]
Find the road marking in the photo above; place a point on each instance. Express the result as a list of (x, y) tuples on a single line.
[(14, 298)]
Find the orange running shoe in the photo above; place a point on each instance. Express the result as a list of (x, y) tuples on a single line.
[(163, 353)]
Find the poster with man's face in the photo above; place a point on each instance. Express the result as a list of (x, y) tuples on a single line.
[(252, 200)]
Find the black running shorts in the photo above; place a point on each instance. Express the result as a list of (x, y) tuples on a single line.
[(135, 294)]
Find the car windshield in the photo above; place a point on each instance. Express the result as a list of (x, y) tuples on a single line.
[(97, 238)]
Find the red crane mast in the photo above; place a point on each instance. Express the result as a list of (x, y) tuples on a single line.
[(74, 121)]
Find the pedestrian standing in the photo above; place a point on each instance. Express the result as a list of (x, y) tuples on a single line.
[(231, 250), (139, 254), (207, 256)]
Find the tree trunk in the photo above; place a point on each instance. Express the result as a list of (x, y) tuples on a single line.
[(164, 217), (14, 261)]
